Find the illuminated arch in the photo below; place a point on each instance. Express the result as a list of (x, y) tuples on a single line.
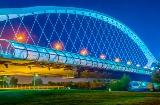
[(20, 12)]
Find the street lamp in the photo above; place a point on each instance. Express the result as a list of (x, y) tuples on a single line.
[(58, 46), (145, 67), (138, 65), (117, 60), (128, 63), (152, 68), (35, 76), (20, 37), (84, 52), (103, 56)]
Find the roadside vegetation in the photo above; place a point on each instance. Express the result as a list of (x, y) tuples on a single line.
[(77, 97)]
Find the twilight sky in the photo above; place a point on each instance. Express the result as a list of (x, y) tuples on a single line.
[(142, 16)]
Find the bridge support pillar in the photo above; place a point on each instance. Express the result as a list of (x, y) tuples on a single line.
[(79, 71), (68, 74)]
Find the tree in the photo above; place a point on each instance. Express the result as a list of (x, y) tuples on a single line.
[(121, 85), (156, 77), (3, 80), (156, 74), (50, 83), (13, 81), (38, 81), (125, 80)]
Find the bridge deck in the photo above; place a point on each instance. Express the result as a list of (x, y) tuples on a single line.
[(22, 57)]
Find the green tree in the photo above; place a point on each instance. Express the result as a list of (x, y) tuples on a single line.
[(156, 77), (125, 80), (121, 85), (156, 74), (13, 81), (50, 83), (38, 81), (115, 86), (3, 80)]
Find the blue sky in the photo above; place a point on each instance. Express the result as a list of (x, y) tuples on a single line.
[(142, 16)]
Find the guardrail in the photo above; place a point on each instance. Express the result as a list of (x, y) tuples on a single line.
[(31, 87), (23, 51)]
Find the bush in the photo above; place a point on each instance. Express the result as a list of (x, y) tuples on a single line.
[(121, 85), (81, 85)]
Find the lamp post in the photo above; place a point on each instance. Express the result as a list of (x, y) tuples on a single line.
[(58, 46), (102, 56), (128, 63), (19, 38), (117, 60), (138, 65), (84, 52), (35, 75), (145, 67)]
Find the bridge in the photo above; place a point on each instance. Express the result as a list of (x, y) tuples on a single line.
[(69, 42)]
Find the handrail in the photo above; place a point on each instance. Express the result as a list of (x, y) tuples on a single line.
[(100, 63), (31, 87)]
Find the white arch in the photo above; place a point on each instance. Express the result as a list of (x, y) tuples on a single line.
[(10, 13)]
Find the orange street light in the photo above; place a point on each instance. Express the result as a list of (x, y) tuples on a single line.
[(84, 52), (58, 46), (20, 37), (103, 56), (117, 60)]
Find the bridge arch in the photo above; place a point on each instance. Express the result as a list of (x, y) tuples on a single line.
[(7, 14)]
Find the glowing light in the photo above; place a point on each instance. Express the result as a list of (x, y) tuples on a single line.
[(103, 56), (36, 75), (145, 67), (143, 84), (21, 37), (117, 60), (128, 63), (83, 52), (58, 46), (152, 68), (138, 65)]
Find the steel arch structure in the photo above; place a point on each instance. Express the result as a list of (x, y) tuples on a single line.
[(6, 14)]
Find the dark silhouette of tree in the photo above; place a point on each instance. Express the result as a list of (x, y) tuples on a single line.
[(50, 83), (13, 81)]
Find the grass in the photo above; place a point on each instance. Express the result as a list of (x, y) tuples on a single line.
[(77, 97)]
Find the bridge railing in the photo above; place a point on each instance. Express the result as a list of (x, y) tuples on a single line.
[(31, 52), (32, 87)]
